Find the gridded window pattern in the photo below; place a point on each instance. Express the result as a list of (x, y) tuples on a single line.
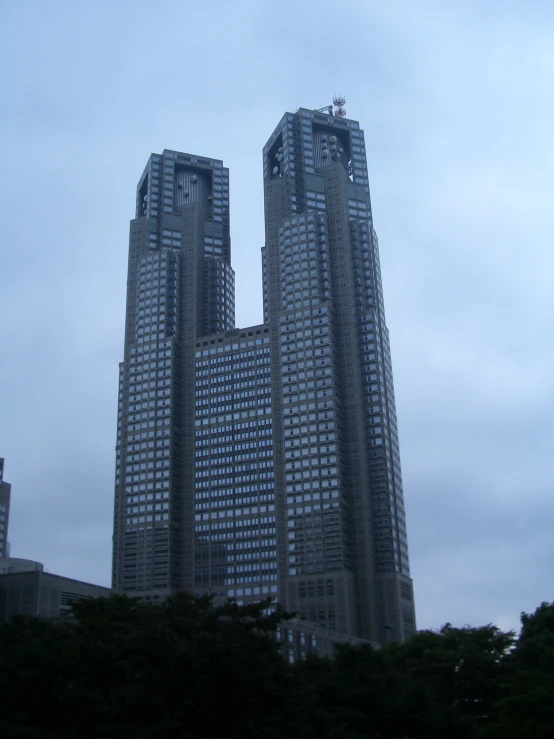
[(3, 527), (5, 490), (145, 559), (149, 190), (234, 475), (304, 262), (265, 294), (315, 200), (389, 520), (145, 454), (150, 444), (168, 180), (144, 466), (156, 296), (149, 440), (220, 194), (316, 504), (220, 295), (171, 237), (213, 247), (359, 209), (359, 163)]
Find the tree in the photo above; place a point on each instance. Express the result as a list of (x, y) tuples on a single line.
[(525, 708), (185, 669), (180, 669), (458, 670), (435, 685)]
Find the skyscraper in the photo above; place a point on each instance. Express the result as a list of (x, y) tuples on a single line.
[(5, 493), (263, 461)]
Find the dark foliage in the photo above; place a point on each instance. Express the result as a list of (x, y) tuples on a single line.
[(182, 669), (185, 670), (525, 709)]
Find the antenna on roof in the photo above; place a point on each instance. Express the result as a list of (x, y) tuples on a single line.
[(338, 102)]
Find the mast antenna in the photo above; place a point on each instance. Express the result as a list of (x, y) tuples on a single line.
[(338, 102)]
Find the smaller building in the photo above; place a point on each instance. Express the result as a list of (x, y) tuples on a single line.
[(42, 594), (17, 564), (298, 638), (5, 493)]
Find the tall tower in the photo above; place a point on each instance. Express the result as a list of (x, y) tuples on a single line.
[(343, 554), (180, 285), (263, 461), (5, 493)]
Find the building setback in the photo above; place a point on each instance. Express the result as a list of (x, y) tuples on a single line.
[(263, 461)]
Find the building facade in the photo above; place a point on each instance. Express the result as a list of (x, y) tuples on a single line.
[(5, 494), (263, 461), (29, 591), (9, 565)]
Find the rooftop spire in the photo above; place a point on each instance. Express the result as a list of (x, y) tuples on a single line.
[(338, 102)]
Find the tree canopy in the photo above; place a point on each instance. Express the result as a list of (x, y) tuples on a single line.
[(187, 669)]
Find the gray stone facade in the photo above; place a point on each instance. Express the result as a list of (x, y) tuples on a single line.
[(263, 461), (42, 594), (5, 495)]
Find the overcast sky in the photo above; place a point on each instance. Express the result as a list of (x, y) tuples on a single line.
[(457, 103)]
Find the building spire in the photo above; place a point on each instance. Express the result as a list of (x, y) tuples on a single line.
[(338, 102)]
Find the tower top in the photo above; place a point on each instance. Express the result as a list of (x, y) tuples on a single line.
[(338, 102)]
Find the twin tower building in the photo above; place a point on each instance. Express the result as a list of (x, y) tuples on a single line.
[(263, 462)]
